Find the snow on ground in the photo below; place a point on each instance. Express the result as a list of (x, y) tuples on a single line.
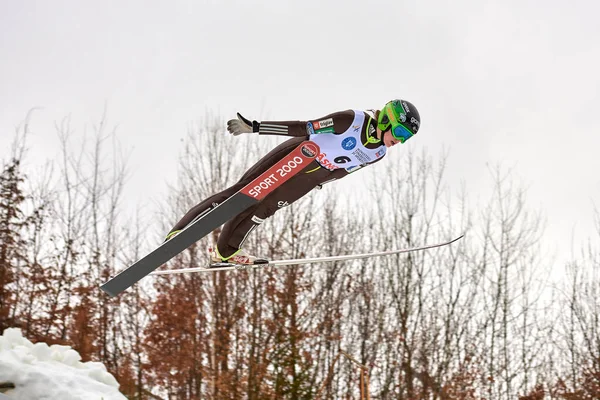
[(42, 372)]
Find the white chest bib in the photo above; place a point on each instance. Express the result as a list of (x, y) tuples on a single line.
[(346, 150)]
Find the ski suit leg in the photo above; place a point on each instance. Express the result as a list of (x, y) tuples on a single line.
[(236, 231), (261, 166)]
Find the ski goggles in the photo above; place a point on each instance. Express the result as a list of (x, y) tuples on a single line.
[(399, 131)]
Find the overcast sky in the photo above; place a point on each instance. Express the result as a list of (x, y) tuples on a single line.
[(512, 81)]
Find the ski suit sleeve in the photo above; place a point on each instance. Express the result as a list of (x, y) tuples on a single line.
[(336, 123)]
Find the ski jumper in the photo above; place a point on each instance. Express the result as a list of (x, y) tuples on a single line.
[(348, 142)]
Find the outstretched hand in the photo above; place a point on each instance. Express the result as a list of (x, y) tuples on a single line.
[(241, 125)]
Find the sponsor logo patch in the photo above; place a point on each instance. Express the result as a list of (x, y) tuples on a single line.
[(325, 130), (414, 121), (326, 123), (361, 156), (309, 150), (325, 163), (352, 169), (349, 143), (309, 128)]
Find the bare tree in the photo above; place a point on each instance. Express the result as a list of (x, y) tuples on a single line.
[(208, 164), (88, 240), (579, 332), (510, 260), (417, 333)]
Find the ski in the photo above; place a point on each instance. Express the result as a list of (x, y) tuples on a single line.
[(300, 261), (249, 195)]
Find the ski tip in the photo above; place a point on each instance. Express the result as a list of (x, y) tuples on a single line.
[(458, 238)]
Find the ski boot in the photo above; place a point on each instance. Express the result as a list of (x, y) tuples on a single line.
[(240, 258), (171, 235)]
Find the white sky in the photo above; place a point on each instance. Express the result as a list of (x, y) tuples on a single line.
[(515, 81)]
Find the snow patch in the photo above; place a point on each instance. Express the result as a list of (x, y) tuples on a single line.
[(44, 372)]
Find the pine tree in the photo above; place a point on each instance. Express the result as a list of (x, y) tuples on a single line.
[(11, 243)]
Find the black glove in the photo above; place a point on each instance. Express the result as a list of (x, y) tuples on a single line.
[(242, 125)]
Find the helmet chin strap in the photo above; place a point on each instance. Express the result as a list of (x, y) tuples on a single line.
[(376, 124), (378, 133)]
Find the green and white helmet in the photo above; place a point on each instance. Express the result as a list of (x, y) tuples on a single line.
[(401, 117)]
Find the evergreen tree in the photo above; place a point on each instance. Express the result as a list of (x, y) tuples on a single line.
[(11, 243)]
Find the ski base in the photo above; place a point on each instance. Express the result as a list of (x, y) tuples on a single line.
[(228, 265)]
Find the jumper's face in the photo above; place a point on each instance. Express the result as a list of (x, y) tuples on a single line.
[(389, 140)]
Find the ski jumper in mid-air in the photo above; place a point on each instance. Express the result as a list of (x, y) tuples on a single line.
[(348, 140)]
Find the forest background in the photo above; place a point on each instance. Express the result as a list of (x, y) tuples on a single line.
[(492, 316)]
